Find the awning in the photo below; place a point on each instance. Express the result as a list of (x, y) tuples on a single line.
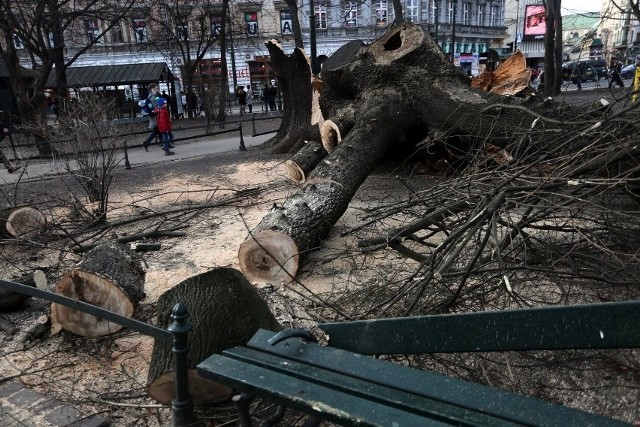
[(596, 43), (112, 75)]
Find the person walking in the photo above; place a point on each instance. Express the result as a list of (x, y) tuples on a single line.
[(579, 72), (249, 92), (164, 126), (242, 99), (7, 164), (615, 77), (150, 106)]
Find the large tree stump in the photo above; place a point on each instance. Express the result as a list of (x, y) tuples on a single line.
[(388, 95), (21, 222), (294, 82), (109, 276), (225, 310)]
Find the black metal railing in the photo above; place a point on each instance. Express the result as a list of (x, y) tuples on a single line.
[(176, 333), (253, 124)]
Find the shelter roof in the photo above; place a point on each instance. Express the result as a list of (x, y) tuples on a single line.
[(111, 75)]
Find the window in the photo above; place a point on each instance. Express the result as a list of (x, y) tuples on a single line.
[(466, 13), (433, 12), (140, 28), (450, 16), (381, 13), (320, 12), (412, 11), (495, 16), (286, 27), (216, 25), (17, 41), (480, 14), (92, 30), (251, 21), (182, 30), (116, 33), (351, 14)]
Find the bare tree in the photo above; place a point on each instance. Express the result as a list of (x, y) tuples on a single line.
[(43, 29), (553, 48), (188, 31)]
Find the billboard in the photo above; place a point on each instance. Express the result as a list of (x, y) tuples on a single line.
[(535, 22)]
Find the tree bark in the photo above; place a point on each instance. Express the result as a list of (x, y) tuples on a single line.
[(109, 276), (401, 87), (21, 222), (225, 310), (294, 79)]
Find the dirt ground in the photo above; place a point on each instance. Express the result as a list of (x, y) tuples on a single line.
[(108, 375)]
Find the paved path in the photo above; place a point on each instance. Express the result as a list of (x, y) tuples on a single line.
[(22, 407), (40, 169)]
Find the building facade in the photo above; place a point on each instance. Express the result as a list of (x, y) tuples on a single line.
[(465, 29)]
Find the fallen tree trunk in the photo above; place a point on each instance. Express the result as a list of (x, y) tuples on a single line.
[(225, 310), (109, 276), (271, 253), (21, 222), (400, 88)]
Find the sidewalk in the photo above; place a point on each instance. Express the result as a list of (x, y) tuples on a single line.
[(185, 149)]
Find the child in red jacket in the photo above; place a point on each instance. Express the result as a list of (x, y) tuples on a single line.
[(164, 126)]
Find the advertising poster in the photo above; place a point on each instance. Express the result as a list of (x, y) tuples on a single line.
[(535, 22)]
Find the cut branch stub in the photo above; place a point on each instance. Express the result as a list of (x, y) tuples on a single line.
[(109, 276), (21, 222), (225, 310), (305, 160)]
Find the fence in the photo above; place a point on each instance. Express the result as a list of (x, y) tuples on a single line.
[(176, 333)]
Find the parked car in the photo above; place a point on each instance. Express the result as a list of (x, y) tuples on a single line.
[(600, 65), (569, 72), (628, 72)]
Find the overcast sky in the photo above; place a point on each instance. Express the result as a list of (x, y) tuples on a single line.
[(575, 6)]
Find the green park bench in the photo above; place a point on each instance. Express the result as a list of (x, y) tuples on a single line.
[(339, 383)]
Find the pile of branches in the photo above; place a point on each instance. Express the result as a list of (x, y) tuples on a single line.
[(552, 217)]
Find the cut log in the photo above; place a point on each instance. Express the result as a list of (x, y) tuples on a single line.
[(305, 160), (224, 311), (21, 222), (341, 123), (10, 300), (109, 276)]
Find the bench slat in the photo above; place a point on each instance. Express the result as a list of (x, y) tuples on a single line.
[(328, 401), (587, 326), (364, 388)]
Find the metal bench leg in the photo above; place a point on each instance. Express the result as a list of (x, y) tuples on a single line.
[(312, 422), (276, 418), (241, 402)]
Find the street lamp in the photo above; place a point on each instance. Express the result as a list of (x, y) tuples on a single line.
[(515, 43), (312, 39)]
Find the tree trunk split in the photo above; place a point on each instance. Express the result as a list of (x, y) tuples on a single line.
[(225, 310), (109, 276), (389, 94), (21, 222)]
